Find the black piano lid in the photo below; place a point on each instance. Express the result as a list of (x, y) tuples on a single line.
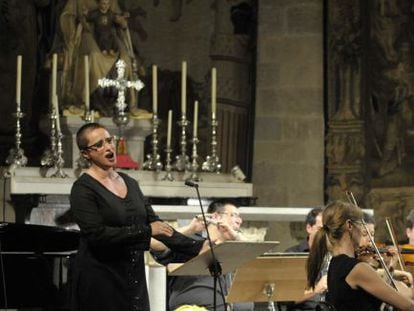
[(37, 238)]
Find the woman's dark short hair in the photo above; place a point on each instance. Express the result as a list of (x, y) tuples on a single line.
[(81, 139)]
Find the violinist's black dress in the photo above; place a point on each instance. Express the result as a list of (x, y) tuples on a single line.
[(340, 294)]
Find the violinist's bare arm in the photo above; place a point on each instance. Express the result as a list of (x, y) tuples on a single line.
[(320, 288), (364, 276)]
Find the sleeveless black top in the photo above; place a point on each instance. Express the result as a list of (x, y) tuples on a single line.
[(340, 294)]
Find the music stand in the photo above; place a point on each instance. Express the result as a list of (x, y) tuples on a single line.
[(277, 277), (230, 255)]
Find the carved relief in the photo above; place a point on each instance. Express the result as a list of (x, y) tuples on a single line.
[(389, 78), (345, 145), (394, 203)]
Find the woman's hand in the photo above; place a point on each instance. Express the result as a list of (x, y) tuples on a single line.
[(161, 228)]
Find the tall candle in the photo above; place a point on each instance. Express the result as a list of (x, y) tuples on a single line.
[(195, 123), (54, 74), (183, 88), (169, 126), (19, 80), (56, 106), (154, 89), (213, 92), (87, 91)]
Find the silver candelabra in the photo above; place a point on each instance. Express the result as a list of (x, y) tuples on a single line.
[(58, 156), (168, 167), (194, 162), (182, 162), (212, 163), (16, 155), (48, 157), (153, 162)]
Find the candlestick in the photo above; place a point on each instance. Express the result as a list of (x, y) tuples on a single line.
[(87, 91), (56, 108), (16, 156), (182, 162), (154, 89), (19, 81), (169, 126), (213, 93), (183, 88), (54, 74), (212, 163), (153, 162), (195, 123)]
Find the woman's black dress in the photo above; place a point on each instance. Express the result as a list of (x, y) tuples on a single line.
[(109, 269)]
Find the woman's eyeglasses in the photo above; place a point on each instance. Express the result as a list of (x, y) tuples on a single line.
[(101, 143)]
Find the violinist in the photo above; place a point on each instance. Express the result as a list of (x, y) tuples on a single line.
[(352, 284), (409, 225), (407, 250), (367, 253)]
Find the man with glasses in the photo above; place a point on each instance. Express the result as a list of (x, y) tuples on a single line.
[(223, 224)]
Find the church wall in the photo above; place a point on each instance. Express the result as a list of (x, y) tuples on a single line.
[(187, 38), (288, 165)]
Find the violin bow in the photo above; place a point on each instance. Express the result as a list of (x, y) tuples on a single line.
[(351, 199)]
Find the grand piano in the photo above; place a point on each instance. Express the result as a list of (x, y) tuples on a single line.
[(34, 264)]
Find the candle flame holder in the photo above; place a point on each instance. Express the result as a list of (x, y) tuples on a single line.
[(153, 162), (182, 162), (212, 163), (16, 155)]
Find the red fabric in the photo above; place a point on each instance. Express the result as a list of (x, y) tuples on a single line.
[(125, 161)]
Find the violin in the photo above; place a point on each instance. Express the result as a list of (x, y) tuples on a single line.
[(368, 254), (407, 252)]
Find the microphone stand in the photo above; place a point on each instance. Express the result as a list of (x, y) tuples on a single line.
[(214, 267)]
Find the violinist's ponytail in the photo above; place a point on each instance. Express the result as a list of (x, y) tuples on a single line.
[(318, 252), (334, 217)]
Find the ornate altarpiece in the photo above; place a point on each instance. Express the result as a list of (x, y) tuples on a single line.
[(369, 91)]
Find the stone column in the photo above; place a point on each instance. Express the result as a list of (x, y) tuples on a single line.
[(231, 56)]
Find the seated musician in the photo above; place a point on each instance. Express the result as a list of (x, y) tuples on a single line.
[(185, 292), (409, 228), (366, 253), (313, 223), (353, 285)]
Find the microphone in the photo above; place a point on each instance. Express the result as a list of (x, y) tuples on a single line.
[(191, 183), (214, 266)]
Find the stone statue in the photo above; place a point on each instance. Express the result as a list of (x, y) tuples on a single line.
[(104, 22), (99, 30)]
